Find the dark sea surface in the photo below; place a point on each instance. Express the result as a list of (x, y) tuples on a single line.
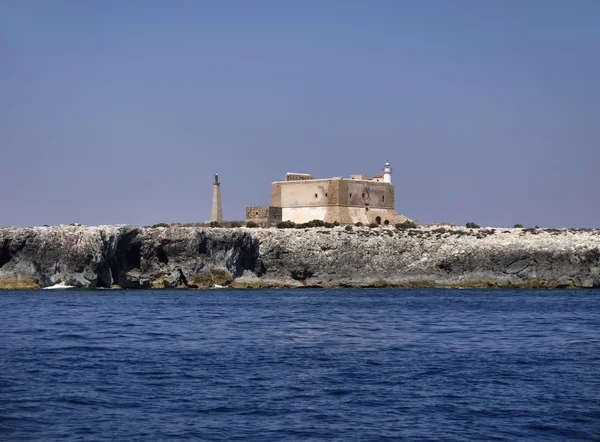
[(348, 364)]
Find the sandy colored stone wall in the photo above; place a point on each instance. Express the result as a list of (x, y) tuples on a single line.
[(313, 193), (276, 194), (264, 215), (332, 192), (357, 193)]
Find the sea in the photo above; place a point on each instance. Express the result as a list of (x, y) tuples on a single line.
[(301, 364)]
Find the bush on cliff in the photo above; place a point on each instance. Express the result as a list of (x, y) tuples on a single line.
[(406, 225), (348, 228), (160, 225), (373, 225), (316, 223), (313, 223), (472, 226), (251, 224), (358, 224), (286, 225), (214, 224), (518, 226)]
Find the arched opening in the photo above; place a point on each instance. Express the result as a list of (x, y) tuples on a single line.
[(387, 222), (378, 219)]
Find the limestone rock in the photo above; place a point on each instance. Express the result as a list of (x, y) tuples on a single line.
[(449, 256)]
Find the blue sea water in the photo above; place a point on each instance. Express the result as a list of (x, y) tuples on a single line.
[(347, 364)]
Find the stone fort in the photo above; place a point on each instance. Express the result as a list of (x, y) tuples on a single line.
[(302, 198)]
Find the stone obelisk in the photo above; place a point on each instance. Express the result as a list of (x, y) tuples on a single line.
[(216, 213)]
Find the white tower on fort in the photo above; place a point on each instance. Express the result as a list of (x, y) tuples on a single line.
[(387, 173)]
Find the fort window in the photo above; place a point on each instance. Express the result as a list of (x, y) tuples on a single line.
[(363, 195), (383, 199), (316, 195), (366, 209), (350, 195), (325, 195), (378, 219)]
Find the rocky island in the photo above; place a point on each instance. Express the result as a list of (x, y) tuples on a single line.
[(180, 256)]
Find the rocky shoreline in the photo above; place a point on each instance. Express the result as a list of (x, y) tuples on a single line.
[(180, 256)]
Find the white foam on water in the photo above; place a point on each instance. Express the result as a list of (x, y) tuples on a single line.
[(60, 286)]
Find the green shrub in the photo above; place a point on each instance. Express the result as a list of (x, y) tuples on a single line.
[(348, 228), (406, 225), (214, 224), (286, 225), (472, 226), (358, 224), (251, 224), (518, 226), (316, 223), (160, 225), (235, 224), (373, 225)]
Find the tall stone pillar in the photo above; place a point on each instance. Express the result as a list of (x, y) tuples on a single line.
[(216, 213)]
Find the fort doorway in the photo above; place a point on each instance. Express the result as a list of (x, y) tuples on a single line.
[(378, 219)]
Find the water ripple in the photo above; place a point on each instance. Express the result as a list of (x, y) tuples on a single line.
[(371, 364)]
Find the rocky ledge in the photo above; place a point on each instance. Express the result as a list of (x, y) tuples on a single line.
[(168, 257)]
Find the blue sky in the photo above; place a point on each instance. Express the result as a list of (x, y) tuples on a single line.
[(121, 111)]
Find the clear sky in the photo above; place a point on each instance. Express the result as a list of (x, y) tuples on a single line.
[(120, 111)]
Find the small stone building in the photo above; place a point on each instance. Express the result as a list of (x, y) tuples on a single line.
[(264, 216)]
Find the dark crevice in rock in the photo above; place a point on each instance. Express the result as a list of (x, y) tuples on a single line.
[(133, 257), (182, 279), (301, 275), (4, 254), (162, 256), (248, 255), (203, 247), (128, 256)]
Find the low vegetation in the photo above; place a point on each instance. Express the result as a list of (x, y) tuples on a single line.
[(160, 225), (251, 224), (406, 225), (310, 224), (286, 225), (472, 225)]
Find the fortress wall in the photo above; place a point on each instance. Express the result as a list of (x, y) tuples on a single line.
[(376, 194), (331, 192), (276, 195), (313, 193), (304, 214), (342, 214), (263, 215), (353, 215)]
